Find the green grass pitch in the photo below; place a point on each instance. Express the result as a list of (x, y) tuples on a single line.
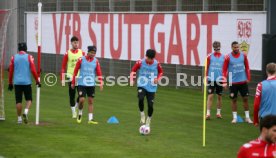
[(176, 129)]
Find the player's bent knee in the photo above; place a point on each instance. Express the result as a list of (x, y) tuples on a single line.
[(245, 99), (141, 97), (90, 100), (82, 99)]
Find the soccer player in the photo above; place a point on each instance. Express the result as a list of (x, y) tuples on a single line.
[(265, 97), (20, 69), (236, 63), (150, 71), (89, 67), (68, 63), (214, 72), (265, 145)]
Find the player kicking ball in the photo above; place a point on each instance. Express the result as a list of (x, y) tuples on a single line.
[(89, 68), (150, 71)]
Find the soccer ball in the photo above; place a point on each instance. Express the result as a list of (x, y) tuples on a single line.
[(144, 130)]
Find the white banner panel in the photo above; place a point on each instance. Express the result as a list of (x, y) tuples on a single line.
[(178, 38)]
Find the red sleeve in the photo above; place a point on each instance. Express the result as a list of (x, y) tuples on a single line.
[(11, 69), (32, 67), (247, 69), (99, 72), (225, 67), (242, 153), (257, 101), (76, 70), (134, 69), (160, 71), (207, 65), (136, 66), (64, 65)]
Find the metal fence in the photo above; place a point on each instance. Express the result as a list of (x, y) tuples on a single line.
[(146, 5)]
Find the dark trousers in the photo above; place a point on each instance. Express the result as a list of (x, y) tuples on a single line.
[(72, 94), (142, 93)]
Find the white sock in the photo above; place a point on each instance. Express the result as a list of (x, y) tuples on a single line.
[(19, 118), (208, 112), (235, 115), (26, 111), (148, 121), (246, 114), (73, 109), (142, 113), (76, 105), (218, 111), (90, 116), (80, 112)]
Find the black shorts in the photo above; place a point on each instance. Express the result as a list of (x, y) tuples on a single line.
[(20, 89), (86, 90), (215, 86), (235, 88), (143, 92)]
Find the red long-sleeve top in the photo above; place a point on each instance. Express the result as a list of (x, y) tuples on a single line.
[(258, 98), (65, 61), (257, 149), (78, 66), (32, 67), (137, 66), (226, 64)]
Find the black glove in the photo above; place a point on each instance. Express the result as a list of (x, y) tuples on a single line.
[(38, 84), (10, 88)]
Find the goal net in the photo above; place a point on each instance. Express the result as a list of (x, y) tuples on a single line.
[(4, 18)]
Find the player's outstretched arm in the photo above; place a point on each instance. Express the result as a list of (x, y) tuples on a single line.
[(257, 102), (225, 68), (76, 70), (99, 74), (160, 73), (247, 69), (11, 70), (63, 66), (207, 65), (33, 69), (134, 69)]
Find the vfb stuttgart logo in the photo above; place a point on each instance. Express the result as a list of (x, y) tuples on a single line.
[(244, 33)]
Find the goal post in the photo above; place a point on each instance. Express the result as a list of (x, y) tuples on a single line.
[(4, 19)]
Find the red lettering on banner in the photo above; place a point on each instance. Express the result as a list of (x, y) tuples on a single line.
[(77, 29), (67, 30), (91, 20), (141, 19), (58, 36), (175, 49), (158, 19), (192, 44), (209, 20), (102, 19), (115, 53), (128, 20)]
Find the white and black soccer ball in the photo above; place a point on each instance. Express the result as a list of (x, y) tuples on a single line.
[(144, 130)]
